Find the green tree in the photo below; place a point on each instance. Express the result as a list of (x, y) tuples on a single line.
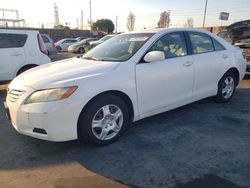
[(105, 25)]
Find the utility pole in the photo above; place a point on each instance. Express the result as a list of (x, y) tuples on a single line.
[(90, 13), (116, 23), (205, 12), (81, 19), (56, 15)]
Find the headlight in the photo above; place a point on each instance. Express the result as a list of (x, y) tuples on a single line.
[(50, 94)]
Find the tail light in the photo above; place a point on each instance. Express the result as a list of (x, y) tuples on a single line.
[(53, 45), (41, 44)]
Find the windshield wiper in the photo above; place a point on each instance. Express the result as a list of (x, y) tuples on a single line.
[(92, 58)]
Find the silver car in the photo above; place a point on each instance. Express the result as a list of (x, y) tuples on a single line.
[(79, 47), (62, 45)]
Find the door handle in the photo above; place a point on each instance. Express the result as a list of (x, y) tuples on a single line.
[(16, 54), (224, 56), (188, 63)]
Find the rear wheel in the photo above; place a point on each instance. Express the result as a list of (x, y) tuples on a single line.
[(104, 120), (226, 87), (81, 50)]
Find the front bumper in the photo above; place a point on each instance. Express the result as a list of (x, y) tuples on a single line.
[(72, 50), (52, 121)]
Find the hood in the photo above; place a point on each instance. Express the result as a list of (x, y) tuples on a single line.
[(95, 42), (76, 45), (73, 46), (61, 72), (239, 30)]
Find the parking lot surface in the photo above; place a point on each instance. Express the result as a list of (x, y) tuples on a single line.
[(203, 144)]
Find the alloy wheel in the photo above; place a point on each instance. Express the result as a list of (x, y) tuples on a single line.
[(228, 87), (107, 122)]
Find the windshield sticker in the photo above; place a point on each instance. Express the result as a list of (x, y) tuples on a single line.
[(138, 39)]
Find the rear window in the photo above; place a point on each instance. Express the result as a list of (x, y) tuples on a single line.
[(218, 46), (201, 43), (45, 39), (12, 40)]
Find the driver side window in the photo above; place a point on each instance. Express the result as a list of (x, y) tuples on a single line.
[(173, 45)]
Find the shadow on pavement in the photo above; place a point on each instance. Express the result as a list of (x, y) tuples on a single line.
[(209, 181), (161, 151)]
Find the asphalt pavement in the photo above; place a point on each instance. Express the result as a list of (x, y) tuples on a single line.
[(200, 145)]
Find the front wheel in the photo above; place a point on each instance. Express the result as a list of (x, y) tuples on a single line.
[(226, 87), (104, 120), (81, 50)]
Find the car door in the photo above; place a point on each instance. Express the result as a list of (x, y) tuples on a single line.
[(65, 44), (210, 61), (11, 54), (168, 82)]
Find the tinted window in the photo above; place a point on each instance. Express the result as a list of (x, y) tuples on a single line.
[(173, 45), (45, 39), (218, 46), (12, 40), (201, 43)]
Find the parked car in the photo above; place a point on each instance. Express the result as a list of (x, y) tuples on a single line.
[(103, 39), (62, 45), (79, 47), (80, 38), (239, 34), (20, 50), (49, 44), (132, 76)]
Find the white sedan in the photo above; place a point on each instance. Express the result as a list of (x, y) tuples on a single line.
[(127, 78)]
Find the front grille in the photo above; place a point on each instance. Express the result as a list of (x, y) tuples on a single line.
[(14, 95)]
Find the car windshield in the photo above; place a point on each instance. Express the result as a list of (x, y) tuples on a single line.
[(120, 48), (105, 38), (81, 42), (60, 41)]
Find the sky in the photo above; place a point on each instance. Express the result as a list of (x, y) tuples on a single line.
[(147, 12)]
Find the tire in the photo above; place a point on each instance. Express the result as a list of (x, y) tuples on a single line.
[(25, 69), (81, 50), (107, 128), (226, 91)]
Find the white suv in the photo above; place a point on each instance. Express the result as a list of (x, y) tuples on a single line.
[(20, 50)]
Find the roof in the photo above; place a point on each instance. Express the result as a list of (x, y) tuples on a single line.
[(156, 30), (19, 31)]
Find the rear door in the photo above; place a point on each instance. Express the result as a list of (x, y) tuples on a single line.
[(12, 54), (210, 60)]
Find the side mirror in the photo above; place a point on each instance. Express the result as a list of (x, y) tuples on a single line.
[(154, 56)]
